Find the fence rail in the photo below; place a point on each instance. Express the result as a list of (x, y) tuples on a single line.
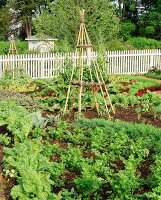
[(50, 65)]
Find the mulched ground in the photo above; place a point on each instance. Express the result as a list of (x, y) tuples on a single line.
[(128, 115)]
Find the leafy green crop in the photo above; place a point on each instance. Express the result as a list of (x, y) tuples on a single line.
[(32, 168), (125, 181), (20, 99), (18, 120)]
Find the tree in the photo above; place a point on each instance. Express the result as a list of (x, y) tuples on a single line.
[(62, 21), (4, 23), (149, 5), (127, 10), (3, 3), (27, 8), (127, 29), (150, 22), (150, 25), (129, 16), (4, 20)]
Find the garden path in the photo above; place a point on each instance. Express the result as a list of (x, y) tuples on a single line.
[(157, 80)]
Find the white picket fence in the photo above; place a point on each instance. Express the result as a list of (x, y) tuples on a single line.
[(50, 65)]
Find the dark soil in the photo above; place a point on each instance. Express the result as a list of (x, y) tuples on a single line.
[(3, 129), (62, 144), (118, 165), (89, 155), (68, 178), (105, 191), (128, 115), (144, 169)]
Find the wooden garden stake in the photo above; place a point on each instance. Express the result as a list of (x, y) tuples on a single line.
[(84, 47)]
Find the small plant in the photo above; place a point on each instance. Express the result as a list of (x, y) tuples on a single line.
[(156, 111), (125, 181), (38, 120), (88, 184), (145, 106), (138, 111), (70, 195), (4, 139), (154, 72), (133, 100), (21, 99)]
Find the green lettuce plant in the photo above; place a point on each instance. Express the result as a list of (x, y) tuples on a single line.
[(18, 120)]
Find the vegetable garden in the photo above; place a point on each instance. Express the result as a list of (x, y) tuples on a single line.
[(84, 154), (45, 156)]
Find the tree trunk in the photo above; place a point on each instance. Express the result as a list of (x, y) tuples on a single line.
[(28, 27), (120, 9)]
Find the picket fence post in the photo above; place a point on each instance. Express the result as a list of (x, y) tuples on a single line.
[(151, 61), (1, 72), (42, 66)]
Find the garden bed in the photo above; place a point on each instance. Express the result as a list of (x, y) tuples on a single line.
[(54, 157), (90, 159), (129, 115)]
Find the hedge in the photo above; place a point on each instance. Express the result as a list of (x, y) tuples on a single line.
[(22, 47)]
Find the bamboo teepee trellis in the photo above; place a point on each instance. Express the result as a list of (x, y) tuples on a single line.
[(12, 48), (12, 51), (83, 47)]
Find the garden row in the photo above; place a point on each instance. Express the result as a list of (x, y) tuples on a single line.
[(128, 93)]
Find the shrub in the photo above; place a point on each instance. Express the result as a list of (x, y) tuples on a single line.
[(22, 47), (154, 73), (118, 45), (144, 43), (127, 29)]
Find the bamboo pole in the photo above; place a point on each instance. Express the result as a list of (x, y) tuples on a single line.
[(68, 93), (102, 79), (102, 92)]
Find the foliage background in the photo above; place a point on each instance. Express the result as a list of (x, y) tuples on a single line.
[(111, 24)]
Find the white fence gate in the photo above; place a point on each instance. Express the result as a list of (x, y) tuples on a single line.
[(49, 65)]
